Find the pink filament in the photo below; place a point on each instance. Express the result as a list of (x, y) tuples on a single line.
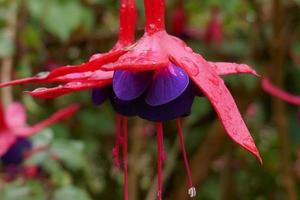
[(116, 149), (125, 167), (160, 158), (186, 162)]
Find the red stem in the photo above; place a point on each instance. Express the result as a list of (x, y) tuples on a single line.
[(128, 15), (160, 156), (125, 167), (155, 15)]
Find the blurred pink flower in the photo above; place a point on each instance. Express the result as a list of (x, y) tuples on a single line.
[(13, 124)]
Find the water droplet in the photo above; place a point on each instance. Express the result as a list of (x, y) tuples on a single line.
[(193, 67), (242, 68), (40, 89), (42, 75), (214, 81), (152, 26)]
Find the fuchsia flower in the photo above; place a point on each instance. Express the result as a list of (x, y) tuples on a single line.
[(13, 126), (157, 78)]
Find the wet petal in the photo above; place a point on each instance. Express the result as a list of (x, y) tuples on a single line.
[(215, 90), (277, 92), (168, 84), (100, 95), (67, 89), (93, 65), (15, 115), (147, 54), (89, 76), (224, 68), (56, 117), (130, 85)]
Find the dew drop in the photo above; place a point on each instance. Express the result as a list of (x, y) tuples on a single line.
[(42, 75), (152, 26), (214, 81), (40, 89), (192, 66)]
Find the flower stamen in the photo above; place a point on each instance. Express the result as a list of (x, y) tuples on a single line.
[(192, 189), (160, 158), (125, 147)]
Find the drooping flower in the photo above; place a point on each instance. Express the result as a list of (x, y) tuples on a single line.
[(157, 79), (14, 131)]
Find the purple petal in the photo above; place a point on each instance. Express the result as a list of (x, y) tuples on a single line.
[(180, 107), (126, 108), (100, 95), (130, 85), (168, 84)]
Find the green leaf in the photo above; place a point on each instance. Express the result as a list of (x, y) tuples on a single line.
[(70, 153), (71, 193), (63, 19), (18, 191), (60, 18)]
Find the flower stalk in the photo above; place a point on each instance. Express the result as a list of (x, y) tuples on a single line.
[(155, 15), (128, 15)]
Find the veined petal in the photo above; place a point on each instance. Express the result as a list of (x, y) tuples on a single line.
[(130, 85), (15, 115), (224, 68), (93, 65), (147, 54), (277, 92), (68, 88), (215, 90), (168, 84), (56, 117), (6, 141)]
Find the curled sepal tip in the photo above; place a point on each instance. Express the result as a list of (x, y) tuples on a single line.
[(225, 68)]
